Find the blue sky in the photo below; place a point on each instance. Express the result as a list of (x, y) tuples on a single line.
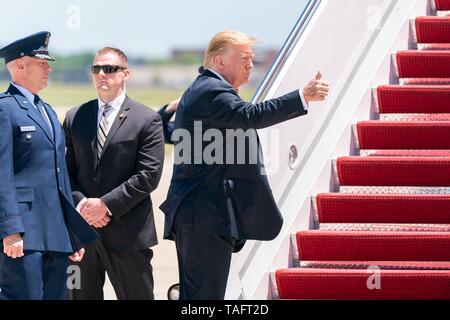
[(146, 28)]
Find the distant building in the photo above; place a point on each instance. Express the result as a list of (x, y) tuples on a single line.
[(176, 72), (263, 57), (188, 55)]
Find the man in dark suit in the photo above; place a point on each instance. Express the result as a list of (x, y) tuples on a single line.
[(219, 196), (166, 112), (115, 155), (39, 227)]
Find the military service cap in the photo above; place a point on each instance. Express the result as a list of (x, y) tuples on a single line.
[(35, 46)]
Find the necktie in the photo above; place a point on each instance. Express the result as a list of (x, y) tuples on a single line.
[(40, 106), (102, 132)]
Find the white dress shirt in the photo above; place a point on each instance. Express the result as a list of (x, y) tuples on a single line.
[(30, 97), (115, 107)]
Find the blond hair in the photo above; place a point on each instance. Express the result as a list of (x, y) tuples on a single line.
[(221, 41), (120, 53)]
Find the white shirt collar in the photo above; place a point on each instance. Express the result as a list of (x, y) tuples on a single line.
[(220, 76), (115, 104), (27, 94)]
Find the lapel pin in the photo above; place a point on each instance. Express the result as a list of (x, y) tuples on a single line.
[(28, 136), (121, 116)]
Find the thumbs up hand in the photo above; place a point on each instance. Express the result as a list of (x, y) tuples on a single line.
[(317, 89), (318, 75)]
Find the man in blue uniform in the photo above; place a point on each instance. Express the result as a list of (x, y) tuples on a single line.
[(39, 227)]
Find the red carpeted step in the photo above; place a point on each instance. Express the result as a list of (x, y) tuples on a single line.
[(425, 81), (362, 284), (423, 64), (413, 99), (403, 135), (433, 29), (442, 5), (393, 171), (405, 153), (393, 208), (384, 265), (434, 46), (382, 227), (414, 117), (371, 246)]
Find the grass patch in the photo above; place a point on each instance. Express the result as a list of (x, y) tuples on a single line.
[(63, 97), (60, 95)]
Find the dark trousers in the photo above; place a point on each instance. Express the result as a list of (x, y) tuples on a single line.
[(35, 276), (203, 259), (130, 273)]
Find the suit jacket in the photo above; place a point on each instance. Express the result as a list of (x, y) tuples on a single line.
[(35, 194), (129, 170), (168, 126), (233, 200)]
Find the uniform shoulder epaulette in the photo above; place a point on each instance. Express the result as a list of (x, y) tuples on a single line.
[(4, 95)]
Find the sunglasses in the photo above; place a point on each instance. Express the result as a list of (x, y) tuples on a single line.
[(106, 69)]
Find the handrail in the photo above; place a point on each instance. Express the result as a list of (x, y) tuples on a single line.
[(286, 49), (266, 84)]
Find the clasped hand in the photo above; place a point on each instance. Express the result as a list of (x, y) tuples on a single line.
[(95, 212)]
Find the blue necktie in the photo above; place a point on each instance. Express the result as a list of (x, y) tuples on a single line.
[(40, 106)]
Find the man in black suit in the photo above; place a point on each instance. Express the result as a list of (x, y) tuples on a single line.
[(219, 195), (115, 155), (166, 112)]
